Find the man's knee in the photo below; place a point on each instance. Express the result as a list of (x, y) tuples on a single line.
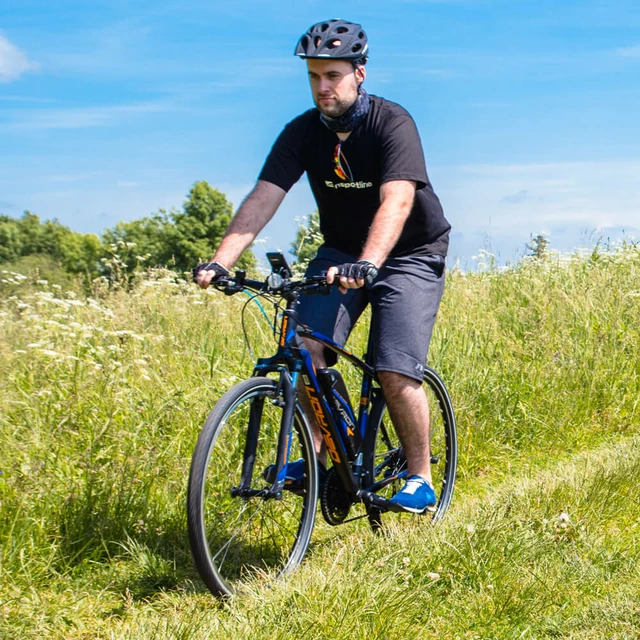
[(316, 351), (396, 384)]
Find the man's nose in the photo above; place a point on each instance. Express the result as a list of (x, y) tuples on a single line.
[(323, 85)]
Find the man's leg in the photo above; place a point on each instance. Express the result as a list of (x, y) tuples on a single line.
[(405, 299), (409, 412), (316, 351), (332, 315)]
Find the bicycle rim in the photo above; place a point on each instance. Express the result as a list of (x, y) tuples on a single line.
[(233, 539), (388, 459)]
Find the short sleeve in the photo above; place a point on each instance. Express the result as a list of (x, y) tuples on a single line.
[(402, 155), (283, 166)]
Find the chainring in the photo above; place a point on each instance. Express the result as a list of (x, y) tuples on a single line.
[(334, 500)]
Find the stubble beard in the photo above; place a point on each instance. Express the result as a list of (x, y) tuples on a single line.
[(335, 109)]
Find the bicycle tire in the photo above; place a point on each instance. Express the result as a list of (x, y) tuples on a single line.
[(385, 452), (233, 539)]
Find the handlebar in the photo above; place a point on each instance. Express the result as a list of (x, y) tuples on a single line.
[(274, 284)]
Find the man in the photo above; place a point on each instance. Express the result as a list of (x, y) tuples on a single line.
[(385, 235)]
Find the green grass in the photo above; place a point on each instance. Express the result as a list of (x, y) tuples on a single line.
[(102, 400)]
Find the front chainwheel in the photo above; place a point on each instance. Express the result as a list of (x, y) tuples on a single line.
[(388, 458), (237, 539)]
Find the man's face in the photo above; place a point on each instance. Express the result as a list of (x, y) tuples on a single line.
[(334, 84)]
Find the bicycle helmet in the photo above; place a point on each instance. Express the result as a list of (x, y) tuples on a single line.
[(334, 39)]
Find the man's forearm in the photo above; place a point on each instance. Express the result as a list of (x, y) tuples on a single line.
[(397, 202), (252, 216)]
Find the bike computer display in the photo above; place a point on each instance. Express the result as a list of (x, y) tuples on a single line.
[(279, 264)]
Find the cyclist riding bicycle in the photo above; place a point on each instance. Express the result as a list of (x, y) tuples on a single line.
[(385, 234)]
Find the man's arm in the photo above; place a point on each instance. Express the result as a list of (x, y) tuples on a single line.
[(396, 202), (252, 216)]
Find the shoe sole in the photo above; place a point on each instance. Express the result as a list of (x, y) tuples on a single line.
[(397, 508)]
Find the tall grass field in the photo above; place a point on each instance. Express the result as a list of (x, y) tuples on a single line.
[(102, 398)]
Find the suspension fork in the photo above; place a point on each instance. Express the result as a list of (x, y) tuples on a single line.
[(288, 402)]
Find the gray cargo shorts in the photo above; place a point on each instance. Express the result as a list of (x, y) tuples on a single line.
[(404, 301)]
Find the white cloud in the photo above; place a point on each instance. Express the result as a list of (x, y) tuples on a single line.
[(13, 62), (629, 52), (508, 203), (81, 117)]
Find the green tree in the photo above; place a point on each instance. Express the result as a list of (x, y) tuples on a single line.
[(10, 239), (308, 240), (538, 246), (178, 239), (147, 241), (28, 236)]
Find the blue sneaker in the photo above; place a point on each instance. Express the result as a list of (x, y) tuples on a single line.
[(295, 473), (417, 496)]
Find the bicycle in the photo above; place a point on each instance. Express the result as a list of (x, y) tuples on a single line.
[(245, 518)]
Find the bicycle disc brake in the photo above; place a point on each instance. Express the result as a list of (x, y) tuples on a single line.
[(334, 501)]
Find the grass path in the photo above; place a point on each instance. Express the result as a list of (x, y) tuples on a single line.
[(103, 397), (553, 553)]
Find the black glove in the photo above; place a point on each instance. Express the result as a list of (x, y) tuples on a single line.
[(361, 270), (219, 270)]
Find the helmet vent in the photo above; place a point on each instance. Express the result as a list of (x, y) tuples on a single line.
[(334, 44), (317, 41), (356, 48), (324, 27), (342, 30)]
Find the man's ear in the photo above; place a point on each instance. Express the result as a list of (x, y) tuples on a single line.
[(361, 74)]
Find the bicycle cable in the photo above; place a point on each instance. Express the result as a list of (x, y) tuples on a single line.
[(245, 332)]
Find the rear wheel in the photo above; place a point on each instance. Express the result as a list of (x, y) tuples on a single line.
[(235, 539), (386, 456)]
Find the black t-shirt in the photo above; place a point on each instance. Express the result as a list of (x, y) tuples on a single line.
[(385, 146)]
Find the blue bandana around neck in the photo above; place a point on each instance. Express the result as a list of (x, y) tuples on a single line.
[(352, 117)]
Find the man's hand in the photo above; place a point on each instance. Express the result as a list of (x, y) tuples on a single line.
[(207, 272), (353, 275)]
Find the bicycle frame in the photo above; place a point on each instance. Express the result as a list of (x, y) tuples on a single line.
[(292, 362)]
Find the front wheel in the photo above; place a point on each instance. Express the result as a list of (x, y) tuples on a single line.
[(235, 539), (386, 456)]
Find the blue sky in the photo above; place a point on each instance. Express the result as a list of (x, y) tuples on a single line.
[(527, 109)]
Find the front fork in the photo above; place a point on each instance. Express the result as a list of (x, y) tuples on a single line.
[(286, 397)]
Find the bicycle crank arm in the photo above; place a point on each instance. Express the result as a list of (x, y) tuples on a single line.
[(374, 500)]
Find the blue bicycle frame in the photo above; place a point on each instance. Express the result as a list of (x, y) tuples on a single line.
[(347, 447)]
